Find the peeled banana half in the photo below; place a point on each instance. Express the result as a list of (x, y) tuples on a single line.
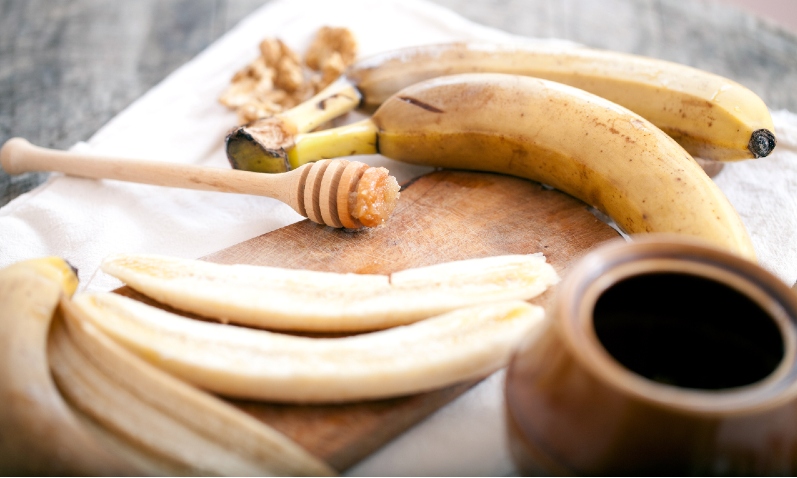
[(301, 300), (468, 343), (574, 141), (712, 117)]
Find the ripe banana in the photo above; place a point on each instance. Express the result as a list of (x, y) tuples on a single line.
[(710, 116), (39, 433), (574, 141), (175, 427), (289, 299), (465, 344)]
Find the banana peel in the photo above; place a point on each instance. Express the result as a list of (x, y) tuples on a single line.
[(76, 403), (39, 433), (185, 430)]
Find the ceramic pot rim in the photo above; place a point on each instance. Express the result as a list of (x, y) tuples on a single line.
[(612, 262)]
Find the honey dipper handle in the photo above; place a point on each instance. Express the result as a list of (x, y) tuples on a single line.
[(19, 156)]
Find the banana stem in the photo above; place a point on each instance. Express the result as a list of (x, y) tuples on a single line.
[(349, 140), (337, 99), (261, 145)]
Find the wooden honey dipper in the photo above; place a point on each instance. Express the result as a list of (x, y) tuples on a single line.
[(337, 193)]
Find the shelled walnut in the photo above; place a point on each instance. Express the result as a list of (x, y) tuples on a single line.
[(279, 78)]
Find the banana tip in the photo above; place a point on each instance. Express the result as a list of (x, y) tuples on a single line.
[(762, 142)]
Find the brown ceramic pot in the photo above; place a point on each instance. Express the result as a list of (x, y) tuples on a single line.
[(661, 356)]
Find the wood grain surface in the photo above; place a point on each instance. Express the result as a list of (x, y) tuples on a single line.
[(443, 216)]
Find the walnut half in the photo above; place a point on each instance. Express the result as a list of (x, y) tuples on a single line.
[(279, 79)]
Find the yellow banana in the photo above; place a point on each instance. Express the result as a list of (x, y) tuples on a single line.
[(465, 344), (290, 299), (574, 141), (39, 433), (712, 117)]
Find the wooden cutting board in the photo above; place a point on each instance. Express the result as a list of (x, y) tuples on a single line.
[(440, 217)]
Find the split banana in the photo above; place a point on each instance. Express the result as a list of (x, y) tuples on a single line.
[(465, 344), (710, 116), (289, 299), (574, 141), (176, 428), (39, 433)]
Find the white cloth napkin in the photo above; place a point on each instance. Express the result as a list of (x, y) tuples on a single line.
[(180, 121)]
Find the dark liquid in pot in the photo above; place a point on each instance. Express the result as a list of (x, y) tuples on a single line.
[(687, 331)]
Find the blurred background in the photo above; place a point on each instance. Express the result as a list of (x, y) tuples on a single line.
[(69, 66), (782, 12)]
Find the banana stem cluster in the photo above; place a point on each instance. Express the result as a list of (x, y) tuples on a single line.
[(262, 146)]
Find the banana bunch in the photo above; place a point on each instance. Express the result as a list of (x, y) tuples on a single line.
[(123, 416), (572, 140), (710, 116)]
